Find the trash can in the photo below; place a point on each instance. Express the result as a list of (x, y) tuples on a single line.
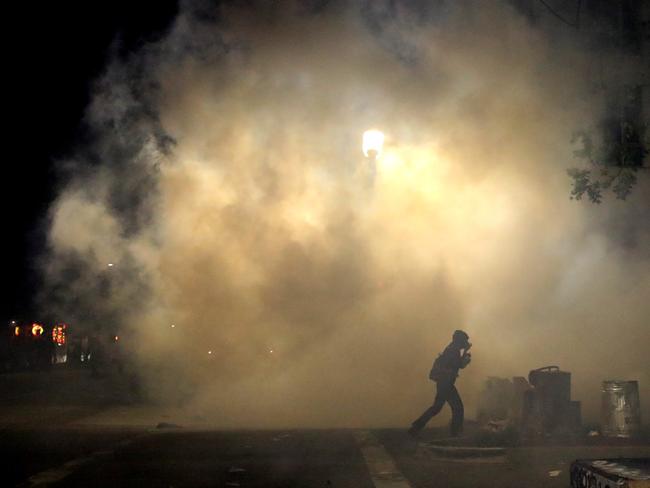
[(555, 385), (621, 409), (548, 405)]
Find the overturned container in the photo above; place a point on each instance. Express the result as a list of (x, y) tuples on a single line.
[(621, 410)]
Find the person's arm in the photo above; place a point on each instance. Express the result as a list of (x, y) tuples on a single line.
[(465, 358)]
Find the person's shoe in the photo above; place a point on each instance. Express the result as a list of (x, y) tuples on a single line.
[(414, 431)]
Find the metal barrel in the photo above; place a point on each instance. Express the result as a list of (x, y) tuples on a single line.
[(554, 385), (621, 409)]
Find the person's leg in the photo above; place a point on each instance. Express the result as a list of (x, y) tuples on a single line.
[(457, 411), (442, 391)]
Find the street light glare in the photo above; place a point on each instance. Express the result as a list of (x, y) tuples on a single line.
[(373, 141)]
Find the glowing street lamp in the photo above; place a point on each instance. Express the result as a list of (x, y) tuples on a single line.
[(373, 142)]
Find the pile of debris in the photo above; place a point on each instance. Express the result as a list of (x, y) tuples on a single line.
[(539, 407)]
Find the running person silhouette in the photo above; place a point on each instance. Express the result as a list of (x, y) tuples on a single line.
[(444, 372)]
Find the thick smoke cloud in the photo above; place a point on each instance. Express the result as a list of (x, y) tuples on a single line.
[(226, 184)]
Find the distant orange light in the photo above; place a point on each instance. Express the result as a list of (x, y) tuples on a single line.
[(17, 331), (58, 334), (37, 329), (117, 338)]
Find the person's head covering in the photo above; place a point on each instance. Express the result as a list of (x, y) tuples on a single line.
[(460, 337)]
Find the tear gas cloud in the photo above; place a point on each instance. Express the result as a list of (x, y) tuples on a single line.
[(225, 181)]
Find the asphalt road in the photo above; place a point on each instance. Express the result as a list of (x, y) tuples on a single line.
[(177, 457), (69, 440)]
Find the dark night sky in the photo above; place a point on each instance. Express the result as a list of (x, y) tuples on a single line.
[(54, 52)]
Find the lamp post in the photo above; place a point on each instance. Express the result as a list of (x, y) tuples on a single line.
[(373, 142)]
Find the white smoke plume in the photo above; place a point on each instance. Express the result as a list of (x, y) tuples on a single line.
[(226, 184)]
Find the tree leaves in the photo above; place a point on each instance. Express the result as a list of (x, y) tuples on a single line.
[(614, 161)]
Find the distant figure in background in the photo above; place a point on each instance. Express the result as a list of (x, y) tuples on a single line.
[(444, 372)]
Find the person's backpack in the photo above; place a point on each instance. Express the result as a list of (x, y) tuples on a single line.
[(436, 372)]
